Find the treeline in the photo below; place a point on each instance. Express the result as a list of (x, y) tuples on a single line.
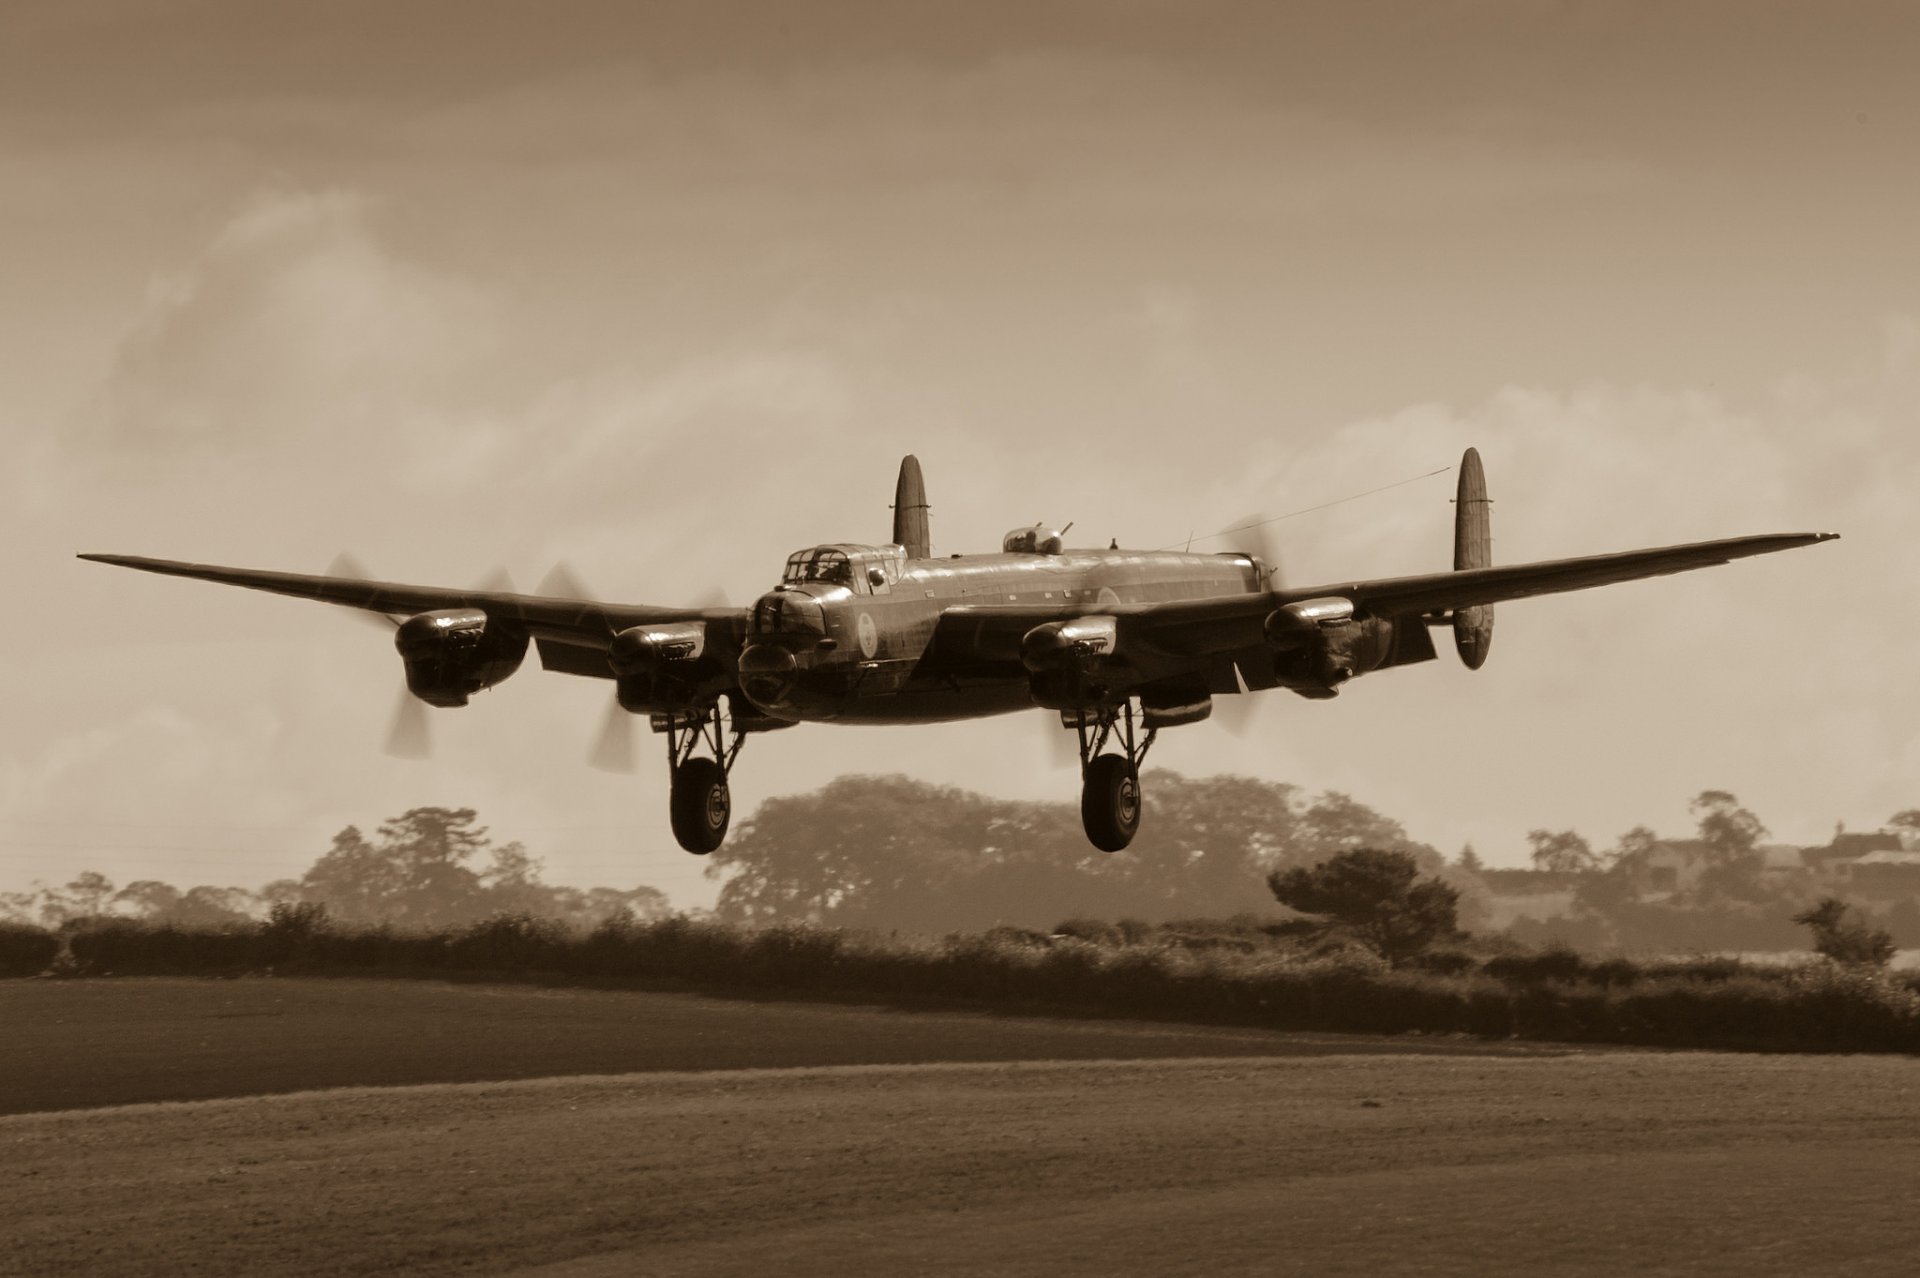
[(889, 852), (427, 868), (1245, 972)]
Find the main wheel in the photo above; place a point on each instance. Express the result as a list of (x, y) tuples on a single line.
[(700, 805), (1110, 802)]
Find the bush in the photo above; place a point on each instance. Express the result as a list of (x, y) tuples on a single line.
[(26, 950), (130, 947), (1851, 941), (508, 943), (1554, 963), (1376, 895), (1549, 994)]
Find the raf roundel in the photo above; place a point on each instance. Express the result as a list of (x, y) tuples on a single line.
[(869, 636)]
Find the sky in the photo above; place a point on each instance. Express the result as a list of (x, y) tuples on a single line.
[(665, 291)]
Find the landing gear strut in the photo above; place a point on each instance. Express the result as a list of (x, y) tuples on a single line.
[(699, 804), (1110, 783)]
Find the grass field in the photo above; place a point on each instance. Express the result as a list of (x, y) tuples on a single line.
[(825, 1139)]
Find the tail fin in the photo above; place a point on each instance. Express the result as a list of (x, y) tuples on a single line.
[(910, 511), (1472, 548)]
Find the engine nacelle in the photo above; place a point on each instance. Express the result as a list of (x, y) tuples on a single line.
[(453, 653), (1319, 644), (1080, 644), (660, 668), (1298, 624), (648, 648)]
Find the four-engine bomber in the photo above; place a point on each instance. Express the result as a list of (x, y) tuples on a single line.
[(1118, 643)]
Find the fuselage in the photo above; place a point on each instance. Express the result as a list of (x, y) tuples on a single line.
[(853, 634)]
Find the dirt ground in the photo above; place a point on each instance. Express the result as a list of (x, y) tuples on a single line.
[(1320, 1156)]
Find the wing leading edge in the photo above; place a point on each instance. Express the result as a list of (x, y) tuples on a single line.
[(574, 623), (1232, 623)]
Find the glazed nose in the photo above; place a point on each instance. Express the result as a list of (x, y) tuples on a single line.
[(766, 673)]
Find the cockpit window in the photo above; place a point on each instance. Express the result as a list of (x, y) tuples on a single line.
[(819, 565)]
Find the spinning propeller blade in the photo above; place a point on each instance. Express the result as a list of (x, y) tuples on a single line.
[(409, 737), (1254, 536), (345, 565), (562, 581), (1063, 744), (614, 750)]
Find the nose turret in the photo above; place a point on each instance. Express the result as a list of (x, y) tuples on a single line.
[(789, 617), (784, 623)]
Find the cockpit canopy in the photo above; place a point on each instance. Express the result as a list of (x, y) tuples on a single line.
[(861, 569), (821, 563)]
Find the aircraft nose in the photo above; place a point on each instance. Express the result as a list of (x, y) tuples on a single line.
[(789, 616), (766, 673)]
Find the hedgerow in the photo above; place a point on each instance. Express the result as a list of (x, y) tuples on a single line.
[(26, 950), (1231, 976)]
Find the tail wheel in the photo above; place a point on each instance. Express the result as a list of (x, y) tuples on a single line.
[(700, 805), (1110, 802)]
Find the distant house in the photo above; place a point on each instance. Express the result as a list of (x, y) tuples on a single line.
[(1675, 865), (1848, 847), (1530, 882), (1893, 871)]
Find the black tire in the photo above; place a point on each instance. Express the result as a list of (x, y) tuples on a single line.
[(1110, 802), (700, 806)]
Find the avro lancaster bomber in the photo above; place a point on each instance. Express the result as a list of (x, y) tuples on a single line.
[(1120, 644)]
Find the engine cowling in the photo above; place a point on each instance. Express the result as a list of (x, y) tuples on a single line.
[(1066, 660), (455, 652), (1319, 644), (663, 668)]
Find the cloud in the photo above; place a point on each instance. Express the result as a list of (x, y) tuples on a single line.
[(294, 321), (1787, 678)]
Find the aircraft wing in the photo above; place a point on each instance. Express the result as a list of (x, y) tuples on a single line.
[(1471, 587), (572, 634), (1164, 633)]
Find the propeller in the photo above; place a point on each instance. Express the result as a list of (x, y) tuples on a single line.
[(410, 736), (345, 565), (614, 750), (497, 582), (614, 747), (1252, 535), (562, 581), (1063, 744)]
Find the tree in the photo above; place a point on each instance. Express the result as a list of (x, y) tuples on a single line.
[(1373, 893), (413, 875), (147, 898), (1732, 836), (1907, 819), (1470, 861), (1335, 822), (1562, 851), (892, 852), (1853, 941), (89, 892)]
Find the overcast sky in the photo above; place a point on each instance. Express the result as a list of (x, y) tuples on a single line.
[(665, 291)]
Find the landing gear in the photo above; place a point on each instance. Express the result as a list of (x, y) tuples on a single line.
[(1109, 783), (700, 805)]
